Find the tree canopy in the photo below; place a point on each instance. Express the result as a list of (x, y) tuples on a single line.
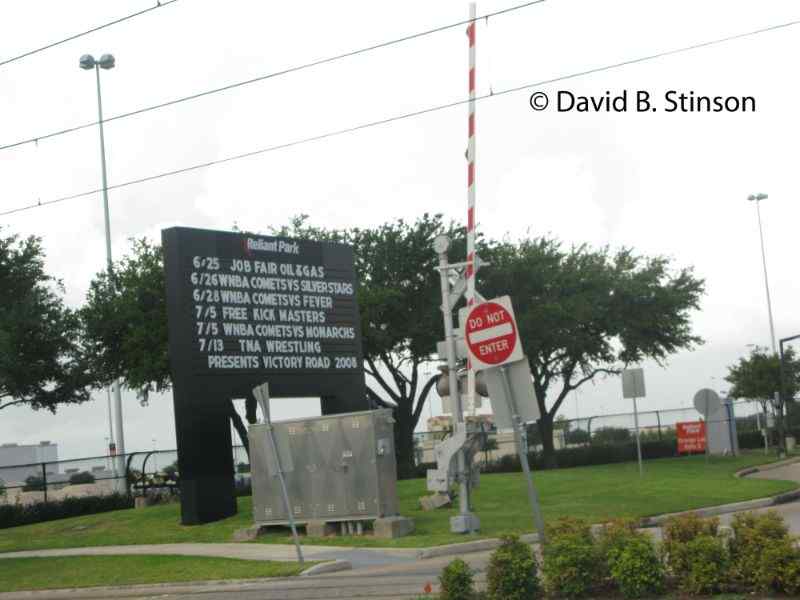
[(399, 295), (581, 312), (42, 362), (125, 318), (758, 376), (584, 313)]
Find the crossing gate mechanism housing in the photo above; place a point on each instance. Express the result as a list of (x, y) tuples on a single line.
[(337, 468)]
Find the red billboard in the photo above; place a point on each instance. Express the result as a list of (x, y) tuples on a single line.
[(691, 436)]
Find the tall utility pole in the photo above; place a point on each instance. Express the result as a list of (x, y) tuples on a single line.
[(106, 62), (757, 198)]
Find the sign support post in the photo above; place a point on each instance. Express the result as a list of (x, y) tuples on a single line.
[(522, 447), (262, 395), (633, 387), (638, 438), (705, 417)]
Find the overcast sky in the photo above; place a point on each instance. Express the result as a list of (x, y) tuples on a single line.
[(672, 184)]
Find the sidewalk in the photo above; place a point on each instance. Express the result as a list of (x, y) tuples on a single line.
[(358, 557)]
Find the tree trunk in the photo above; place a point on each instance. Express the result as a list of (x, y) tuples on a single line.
[(548, 449), (404, 445)]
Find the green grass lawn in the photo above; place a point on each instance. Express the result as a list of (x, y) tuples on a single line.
[(501, 502), (17, 574)]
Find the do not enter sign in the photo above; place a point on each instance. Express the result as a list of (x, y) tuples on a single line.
[(490, 333)]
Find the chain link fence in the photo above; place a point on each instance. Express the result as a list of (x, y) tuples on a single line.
[(140, 473), (137, 473), (752, 420)]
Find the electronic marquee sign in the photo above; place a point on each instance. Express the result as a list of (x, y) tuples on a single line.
[(244, 309)]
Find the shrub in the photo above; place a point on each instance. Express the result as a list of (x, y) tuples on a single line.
[(754, 535), (613, 537), (678, 532), (708, 566), (572, 565), (611, 435), (779, 568), (33, 483), (82, 477), (512, 572), (636, 569), (13, 515), (456, 581)]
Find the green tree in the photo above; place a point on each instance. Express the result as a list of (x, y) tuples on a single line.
[(399, 295), (584, 313), (125, 319), (41, 359), (758, 377)]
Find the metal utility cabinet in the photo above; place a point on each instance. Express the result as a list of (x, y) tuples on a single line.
[(337, 468)]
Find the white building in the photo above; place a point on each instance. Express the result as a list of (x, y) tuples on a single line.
[(19, 461)]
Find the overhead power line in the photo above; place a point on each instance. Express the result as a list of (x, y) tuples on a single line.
[(403, 116), (272, 75), (159, 4)]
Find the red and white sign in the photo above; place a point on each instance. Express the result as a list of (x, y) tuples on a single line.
[(490, 333), (691, 436)]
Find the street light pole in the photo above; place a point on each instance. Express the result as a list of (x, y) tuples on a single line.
[(107, 61), (757, 198), (783, 385)]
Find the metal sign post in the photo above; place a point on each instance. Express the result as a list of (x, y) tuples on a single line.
[(521, 436), (495, 349), (638, 438), (633, 387), (262, 395)]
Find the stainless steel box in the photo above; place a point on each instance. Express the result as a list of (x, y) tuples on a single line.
[(337, 468)]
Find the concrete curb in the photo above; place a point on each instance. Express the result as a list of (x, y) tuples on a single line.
[(768, 467), (655, 521), (468, 547), (143, 590), (327, 567), (723, 509)]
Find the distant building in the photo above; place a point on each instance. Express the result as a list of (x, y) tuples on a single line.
[(20, 461), (445, 422)]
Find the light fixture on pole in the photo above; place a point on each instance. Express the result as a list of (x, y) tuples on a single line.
[(757, 198), (107, 61)]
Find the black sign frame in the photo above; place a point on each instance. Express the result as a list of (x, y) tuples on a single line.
[(194, 260)]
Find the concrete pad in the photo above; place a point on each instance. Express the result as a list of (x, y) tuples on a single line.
[(434, 501), (393, 527), (248, 534), (320, 529)]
